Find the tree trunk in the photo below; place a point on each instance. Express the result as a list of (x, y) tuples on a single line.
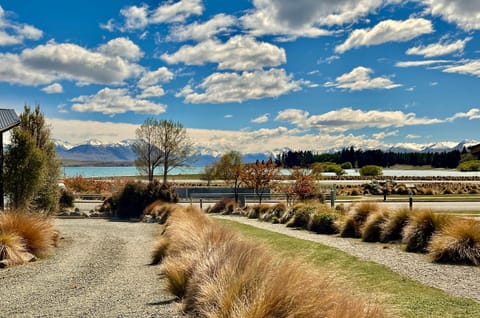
[(165, 172)]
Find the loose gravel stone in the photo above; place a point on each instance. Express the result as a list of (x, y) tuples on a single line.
[(100, 270), (457, 280)]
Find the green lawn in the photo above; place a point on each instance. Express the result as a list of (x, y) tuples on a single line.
[(399, 295)]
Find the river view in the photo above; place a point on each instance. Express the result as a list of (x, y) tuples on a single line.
[(132, 171)]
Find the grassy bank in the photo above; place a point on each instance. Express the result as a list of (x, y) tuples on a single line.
[(405, 297)]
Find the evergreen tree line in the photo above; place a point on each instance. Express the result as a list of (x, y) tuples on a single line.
[(359, 158)]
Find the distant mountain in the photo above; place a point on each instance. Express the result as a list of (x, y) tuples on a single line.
[(434, 147), (94, 150)]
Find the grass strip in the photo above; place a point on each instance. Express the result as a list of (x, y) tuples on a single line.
[(399, 294)]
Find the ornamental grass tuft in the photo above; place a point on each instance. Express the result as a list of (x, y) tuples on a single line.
[(457, 242), (216, 273), (420, 227), (36, 230), (391, 229)]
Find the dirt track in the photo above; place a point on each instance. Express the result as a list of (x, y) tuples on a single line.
[(100, 270)]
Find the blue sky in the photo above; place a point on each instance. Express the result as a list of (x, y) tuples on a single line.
[(253, 76)]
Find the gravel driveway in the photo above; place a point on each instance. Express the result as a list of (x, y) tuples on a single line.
[(100, 270), (457, 280)]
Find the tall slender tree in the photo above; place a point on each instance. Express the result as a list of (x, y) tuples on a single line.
[(31, 166), (229, 168)]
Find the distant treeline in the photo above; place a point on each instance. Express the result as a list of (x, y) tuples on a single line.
[(359, 158)]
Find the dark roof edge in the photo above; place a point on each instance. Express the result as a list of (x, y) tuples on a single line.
[(10, 127)]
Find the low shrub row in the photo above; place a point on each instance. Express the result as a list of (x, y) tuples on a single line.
[(439, 188), (25, 236), (217, 273), (446, 239)]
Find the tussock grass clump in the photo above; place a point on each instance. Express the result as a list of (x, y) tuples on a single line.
[(323, 223), (159, 251), (348, 227), (391, 229), (257, 211), (222, 205), (371, 230), (218, 274), (160, 210), (177, 272), (229, 207), (301, 216), (287, 215), (356, 218), (420, 228), (457, 242), (323, 220), (12, 249), (36, 230), (362, 210), (275, 211)]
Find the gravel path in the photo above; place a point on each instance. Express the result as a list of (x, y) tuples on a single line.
[(457, 280), (100, 270)]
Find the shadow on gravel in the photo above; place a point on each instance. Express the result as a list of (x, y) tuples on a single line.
[(115, 219), (163, 302)]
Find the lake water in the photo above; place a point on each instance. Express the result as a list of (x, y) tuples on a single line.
[(119, 171), (132, 171)]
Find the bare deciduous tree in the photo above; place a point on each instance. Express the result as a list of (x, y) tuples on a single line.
[(162, 144)]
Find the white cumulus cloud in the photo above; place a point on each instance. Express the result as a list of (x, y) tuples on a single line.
[(239, 87), (121, 47), (135, 17), (386, 31), (176, 11), (261, 119), (139, 17), (238, 53), (220, 23), (438, 49), (115, 101), (464, 13), (359, 79), (12, 33), (152, 91), (162, 74), (51, 62), (305, 18), (420, 63), (471, 67), (472, 114), (55, 88), (346, 119)]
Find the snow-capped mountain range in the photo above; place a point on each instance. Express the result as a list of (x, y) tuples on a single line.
[(95, 150)]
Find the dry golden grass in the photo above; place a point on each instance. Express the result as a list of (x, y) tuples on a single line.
[(224, 277), (36, 230), (159, 251), (178, 270), (420, 227), (352, 224), (391, 229), (218, 274), (371, 230), (275, 211), (12, 249), (160, 210), (348, 227), (457, 242)]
